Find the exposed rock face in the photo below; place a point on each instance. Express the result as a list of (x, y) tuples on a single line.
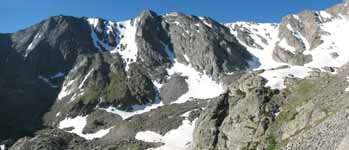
[(239, 119), (302, 32), (283, 55), (173, 89), (32, 63), (71, 60), (201, 42), (205, 44), (309, 114)]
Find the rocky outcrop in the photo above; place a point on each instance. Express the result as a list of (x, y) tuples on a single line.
[(239, 119), (283, 55), (301, 32), (309, 114), (50, 140), (175, 87)]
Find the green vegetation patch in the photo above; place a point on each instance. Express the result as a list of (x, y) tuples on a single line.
[(117, 88), (299, 95)]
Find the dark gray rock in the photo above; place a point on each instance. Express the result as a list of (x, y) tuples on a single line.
[(29, 58), (160, 120), (175, 87), (243, 34), (50, 140), (208, 45), (100, 119)]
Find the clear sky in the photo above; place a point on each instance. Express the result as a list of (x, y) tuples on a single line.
[(19, 14)]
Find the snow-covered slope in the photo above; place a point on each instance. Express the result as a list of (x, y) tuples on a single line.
[(262, 38)]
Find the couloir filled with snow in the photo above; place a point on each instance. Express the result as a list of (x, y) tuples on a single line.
[(125, 35)]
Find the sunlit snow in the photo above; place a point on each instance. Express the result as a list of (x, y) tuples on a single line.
[(32, 45), (200, 85), (126, 39), (176, 139), (78, 123), (128, 31), (137, 109), (276, 77), (334, 42), (65, 89)]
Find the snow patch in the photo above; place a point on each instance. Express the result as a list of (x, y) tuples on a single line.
[(325, 15), (32, 45), (200, 85), (47, 81), (85, 78), (205, 22), (93, 22), (157, 85), (283, 44), (65, 89), (276, 77), (335, 42), (168, 51), (137, 109), (2, 147), (149, 136), (176, 139), (186, 58), (78, 124), (174, 14), (58, 75)]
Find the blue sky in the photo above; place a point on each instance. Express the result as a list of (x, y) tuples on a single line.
[(19, 14)]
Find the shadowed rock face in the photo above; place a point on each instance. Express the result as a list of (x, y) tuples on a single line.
[(28, 61)]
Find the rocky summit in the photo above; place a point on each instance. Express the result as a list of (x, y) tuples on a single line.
[(177, 82)]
